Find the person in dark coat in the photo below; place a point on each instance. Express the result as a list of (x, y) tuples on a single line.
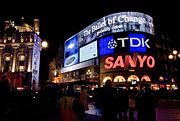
[(149, 105), (108, 102), (146, 105)]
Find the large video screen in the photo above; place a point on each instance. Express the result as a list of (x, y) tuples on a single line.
[(114, 23), (126, 42), (71, 51), (88, 51)]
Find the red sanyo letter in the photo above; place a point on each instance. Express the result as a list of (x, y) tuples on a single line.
[(119, 62), (141, 60), (108, 62), (150, 62)]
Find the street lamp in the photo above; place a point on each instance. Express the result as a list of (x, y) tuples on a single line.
[(174, 55), (44, 44)]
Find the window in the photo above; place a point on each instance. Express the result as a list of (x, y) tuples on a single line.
[(21, 58), (133, 77), (7, 63), (7, 58), (21, 68), (119, 79), (146, 78)]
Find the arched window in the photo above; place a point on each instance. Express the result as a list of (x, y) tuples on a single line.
[(133, 77), (119, 79), (146, 78), (106, 78)]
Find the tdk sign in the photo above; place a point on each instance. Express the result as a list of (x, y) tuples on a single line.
[(132, 42), (136, 42)]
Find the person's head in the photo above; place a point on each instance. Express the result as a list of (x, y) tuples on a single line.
[(108, 83)]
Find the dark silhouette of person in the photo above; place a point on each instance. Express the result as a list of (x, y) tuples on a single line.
[(146, 105), (83, 100), (67, 111), (132, 103), (149, 105), (108, 102)]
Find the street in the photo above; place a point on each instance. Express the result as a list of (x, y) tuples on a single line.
[(168, 112)]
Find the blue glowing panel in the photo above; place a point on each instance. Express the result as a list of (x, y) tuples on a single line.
[(71, 52), (107, 46), (137, 43), (88, 51)]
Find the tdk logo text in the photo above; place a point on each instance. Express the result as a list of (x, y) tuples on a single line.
[(136, 42)]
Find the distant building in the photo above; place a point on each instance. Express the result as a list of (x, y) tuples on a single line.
[(167, 70), (55, 67), (20, 47)]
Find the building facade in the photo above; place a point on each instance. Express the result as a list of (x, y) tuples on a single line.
[(121, 47), (20, 47)]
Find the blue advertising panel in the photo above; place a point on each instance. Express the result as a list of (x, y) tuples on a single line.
[(126, 42), (137, 43), (107, 45), (71, 51)]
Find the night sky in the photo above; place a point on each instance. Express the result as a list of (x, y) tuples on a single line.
[(59, 21)]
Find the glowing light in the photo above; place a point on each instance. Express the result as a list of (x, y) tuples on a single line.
[(146, 78), (55, 73), (161, 78), (88, 72), (178, 55), (119, 79), (13, 40), (175, 52), (70, 46), (44, 44), (106, 78), (133, 77), (170, 56), (119, 62)]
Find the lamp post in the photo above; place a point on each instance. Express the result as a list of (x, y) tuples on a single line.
[(44, 56), (174, 56)]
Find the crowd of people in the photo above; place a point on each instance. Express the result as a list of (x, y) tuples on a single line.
[(50, 103), (119, 104), (64, 103)]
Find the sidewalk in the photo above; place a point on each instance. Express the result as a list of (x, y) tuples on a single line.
[(92, 114), (168, 113), (91, 117)]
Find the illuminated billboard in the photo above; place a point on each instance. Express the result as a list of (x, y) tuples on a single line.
[(88, 51), (126, 42), (114, 23), (71, 51), (126, 61), (120, 32)]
